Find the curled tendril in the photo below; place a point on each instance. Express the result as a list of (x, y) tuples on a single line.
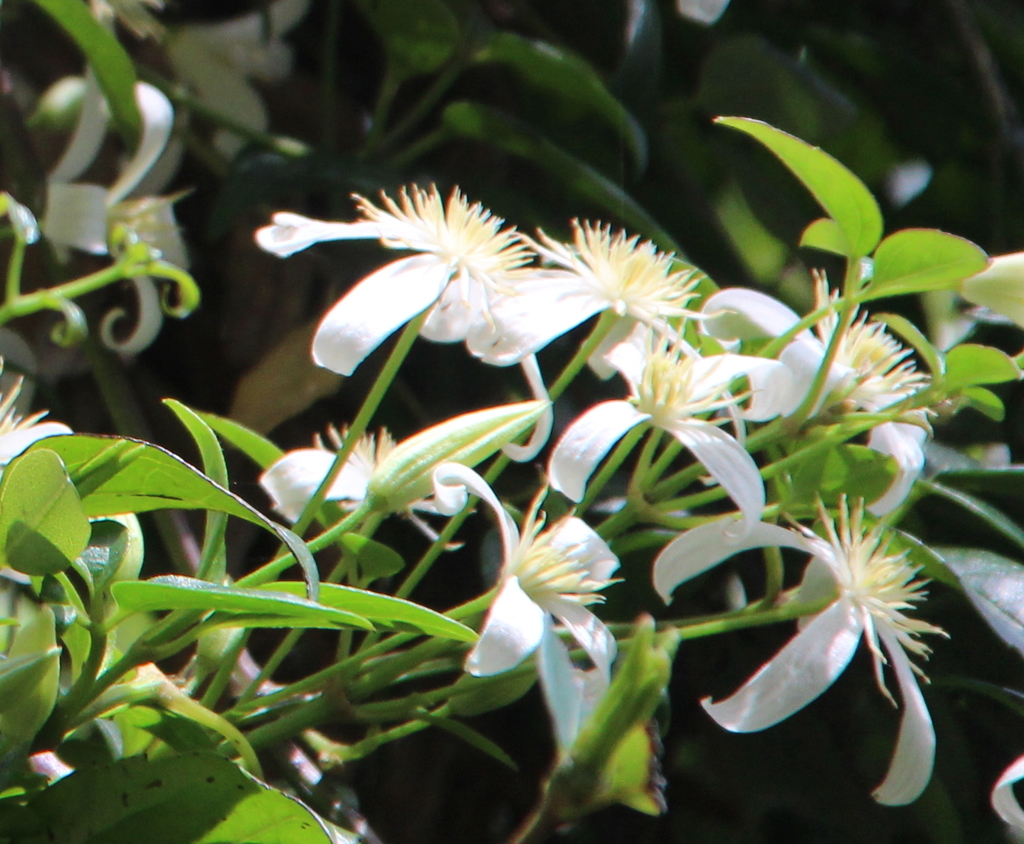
[(73, 329), (184, 290), (147, 325)]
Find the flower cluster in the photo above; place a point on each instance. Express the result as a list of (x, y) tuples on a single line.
[(739, 381)]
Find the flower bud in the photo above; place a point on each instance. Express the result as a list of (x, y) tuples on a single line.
[(405, 475), (1000, 287)]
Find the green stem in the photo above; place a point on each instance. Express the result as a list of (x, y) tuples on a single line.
[(773, 576), (431, 97), (362, 420), (612, 464), (754, 616), (14, 268), (385, 97), (604, 325)]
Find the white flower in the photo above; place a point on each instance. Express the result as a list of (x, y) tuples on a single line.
[(871, 372), (81, 215), (1003, 799), (999, 287), (465, 258), (872, 589), (597, 272), (292, 479), (555, 572), (17, 432), (672, 388), (218, 59)]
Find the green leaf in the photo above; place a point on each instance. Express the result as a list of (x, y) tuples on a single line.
[(199, 798), (918, 260), (993, 517), (43, 527), (374, 558), (489, 125), (843, 196), (852, 470), (107, 59), (22, 715), (213, 558), (476, 695), (985, 402), (825, 234), (970, 365), (120, 475), (383, 610), (174, 592), (996, 480), (254, 446), (995, 585), (633, 775), (470, 736), (419, 35), (558, 71)]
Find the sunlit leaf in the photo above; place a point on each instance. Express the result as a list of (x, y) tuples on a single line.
[(200, 798), (843, 196), (970, 365), (374, 558), (174, 592), (826, 235), (917, 260), (43, 526), (254, 446)]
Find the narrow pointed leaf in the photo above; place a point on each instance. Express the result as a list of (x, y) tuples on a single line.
[(254, 446), (383, 610), (173, 592), (470, 736)]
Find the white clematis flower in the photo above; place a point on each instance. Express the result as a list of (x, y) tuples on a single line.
[(465, 258), (872, 589), (81, 215), (18, 432), (596, 273), (219, 59), (672, 388), (555, 572), (871, 372)]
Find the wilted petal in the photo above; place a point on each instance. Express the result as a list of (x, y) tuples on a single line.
[(912, 761), (76, 215), (586, 442), (905, 444), (697, 550), (727, 461), (513, 630), (796, 675), (373, 309), (14, 443), (1003, 800), (591, 633), (290, 233)]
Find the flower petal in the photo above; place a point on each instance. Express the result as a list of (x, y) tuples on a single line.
[(697, 550), (290, 233), (905, 444), (462, 305), (147, 324), (513, 630), (1003, 800), (291, 481), (542, 307), (575, 537), (375, 308), (88, 137), (452, 484), (591, 633), (542, 430), (562, 685), (157, 122), (14, 443), (740, 314), (76, 215), (727, 461), (796, 675), (586, 442), (912, 761)]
